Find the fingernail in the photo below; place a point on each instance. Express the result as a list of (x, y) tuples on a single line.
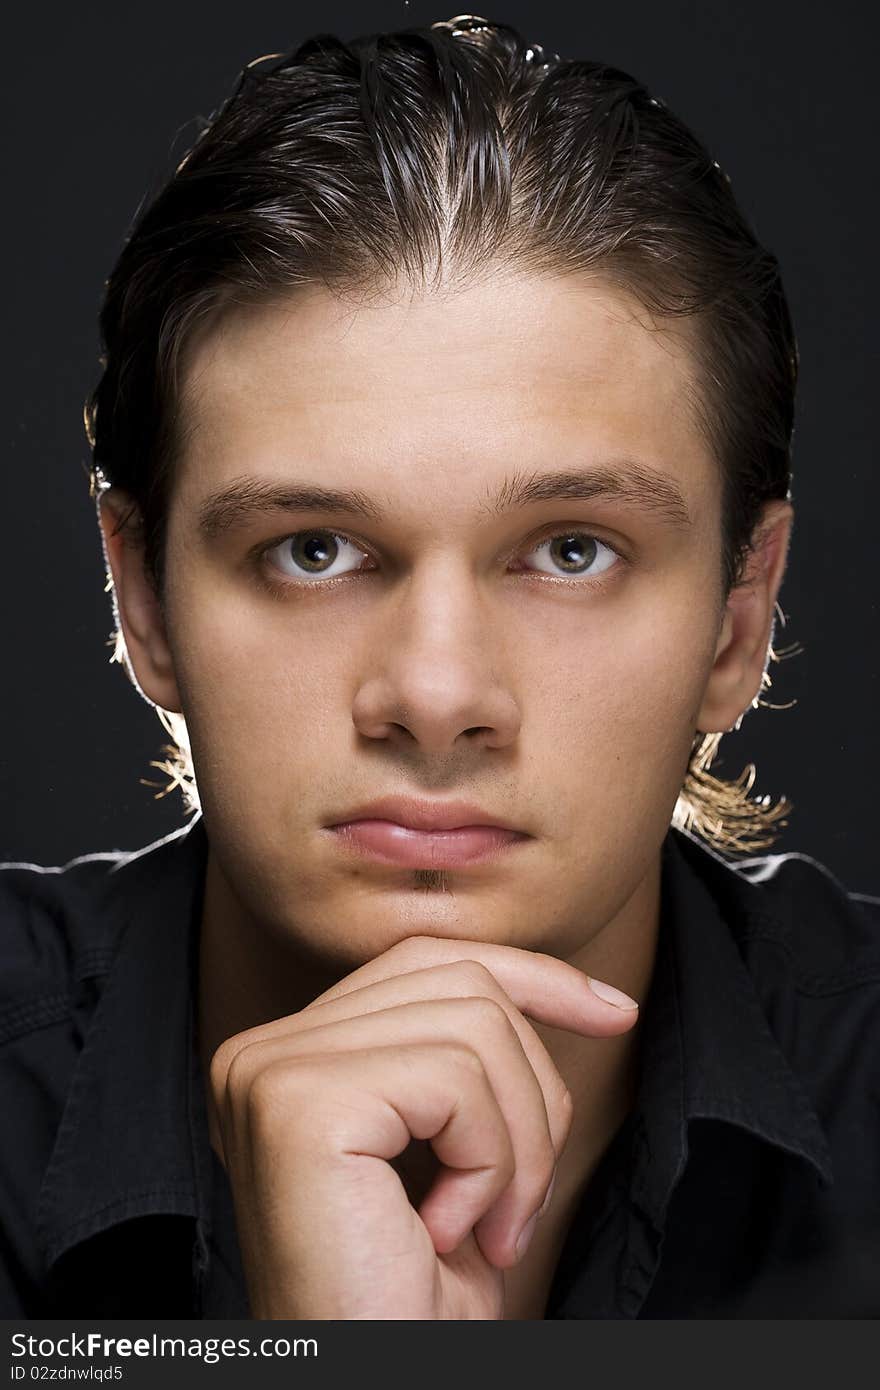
[(546, 1202), (611, 995), (526, 1234)]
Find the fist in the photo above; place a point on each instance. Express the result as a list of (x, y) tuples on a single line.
[(429, 1041)]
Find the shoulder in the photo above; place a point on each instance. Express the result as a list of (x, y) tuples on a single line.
[(829, 934), (792, 908), (812, 950), (50, 937), (74, 938), (53, 924), (58, 937), (61, 925)]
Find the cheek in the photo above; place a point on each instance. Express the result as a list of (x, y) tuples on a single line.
[(620, 704), (250, 687)]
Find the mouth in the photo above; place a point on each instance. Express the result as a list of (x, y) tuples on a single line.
[(414, 833), (405, 846)]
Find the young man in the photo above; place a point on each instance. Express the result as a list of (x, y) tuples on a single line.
[(442, 456)]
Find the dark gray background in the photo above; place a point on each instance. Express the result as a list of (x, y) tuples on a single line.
[(99, 103)]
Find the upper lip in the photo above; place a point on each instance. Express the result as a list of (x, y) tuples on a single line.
[(417, 814)]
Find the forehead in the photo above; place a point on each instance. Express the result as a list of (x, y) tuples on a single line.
[(466, 381)]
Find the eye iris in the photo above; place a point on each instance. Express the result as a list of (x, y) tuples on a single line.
[(314, 550), (574, 552)]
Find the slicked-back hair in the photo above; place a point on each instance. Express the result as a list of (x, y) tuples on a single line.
[(431, 156)]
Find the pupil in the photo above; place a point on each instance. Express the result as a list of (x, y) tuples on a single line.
[(576, 551), (316, 549)]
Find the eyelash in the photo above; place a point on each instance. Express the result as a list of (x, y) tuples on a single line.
[(281, 588)]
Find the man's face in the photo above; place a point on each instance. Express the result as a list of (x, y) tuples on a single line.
[(544, 660)]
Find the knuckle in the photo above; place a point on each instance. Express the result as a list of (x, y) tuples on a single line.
[(487, 1015), (414, 950), (238, 1072), (271, 1088), (477, 975), (221, 1065), (461, 1054), (540, 1172)]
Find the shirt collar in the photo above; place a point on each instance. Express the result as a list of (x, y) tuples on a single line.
[(133, 1135), (707, 1049)]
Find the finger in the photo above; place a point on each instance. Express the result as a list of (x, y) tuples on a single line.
[(541, 986), (362, 1108), (459, 979), (477, 1024)]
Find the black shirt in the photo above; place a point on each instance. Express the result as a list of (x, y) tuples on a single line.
[(745, 1181)]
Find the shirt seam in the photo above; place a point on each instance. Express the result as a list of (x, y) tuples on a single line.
[(813, 984), (96, 960), (32, 1015), (40, 1011)]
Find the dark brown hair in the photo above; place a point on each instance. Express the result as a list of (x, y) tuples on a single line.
[(431, 154)]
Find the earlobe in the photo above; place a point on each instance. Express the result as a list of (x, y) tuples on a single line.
[(138, 610), (746, 631)]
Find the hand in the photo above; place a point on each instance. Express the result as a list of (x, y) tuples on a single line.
[(427, 1041)]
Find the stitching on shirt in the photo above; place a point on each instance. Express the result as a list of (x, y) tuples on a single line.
[(29, 1015), (813, 984), (33, 1014), (97, 960)]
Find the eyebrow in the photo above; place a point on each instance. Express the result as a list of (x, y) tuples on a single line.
[(626, 481)]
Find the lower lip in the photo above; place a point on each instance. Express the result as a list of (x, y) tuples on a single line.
[(426, 849)]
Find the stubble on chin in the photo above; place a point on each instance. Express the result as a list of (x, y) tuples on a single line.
[(431, 880)]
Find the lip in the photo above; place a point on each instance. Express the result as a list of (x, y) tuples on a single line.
[(418, 834), (416, 814), (392, 843)]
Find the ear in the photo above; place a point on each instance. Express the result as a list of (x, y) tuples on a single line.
[(138, 611), (743, 647)]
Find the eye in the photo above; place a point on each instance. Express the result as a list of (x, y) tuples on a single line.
[(574, 554), (315, 555)]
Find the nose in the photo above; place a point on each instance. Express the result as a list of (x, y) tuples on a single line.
[(430, 679)]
